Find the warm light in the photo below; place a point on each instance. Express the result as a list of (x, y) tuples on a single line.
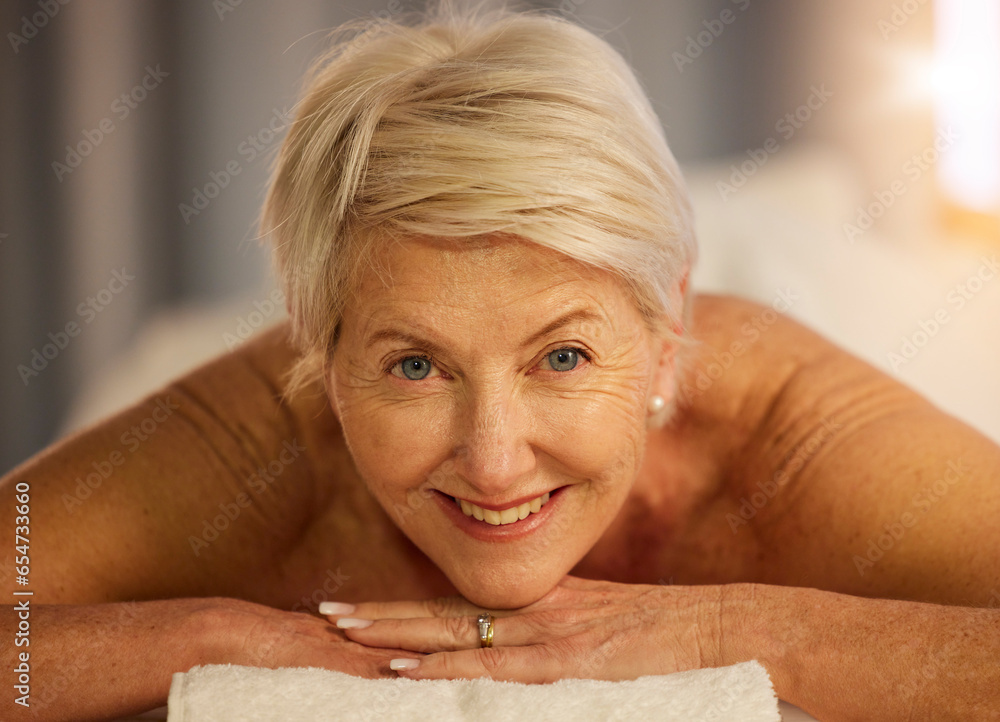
[(966, 82)]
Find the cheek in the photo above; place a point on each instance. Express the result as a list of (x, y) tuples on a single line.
[(599, 436), (613, 408), (401, 446), (395, 445)]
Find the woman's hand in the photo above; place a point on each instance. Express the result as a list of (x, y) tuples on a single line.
[(582, 628), (113, 660), (260, 636)]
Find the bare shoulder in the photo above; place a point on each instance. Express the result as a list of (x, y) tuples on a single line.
[(843, 477), (198, 489)]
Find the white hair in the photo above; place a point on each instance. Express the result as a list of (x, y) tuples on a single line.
[(464, 122)]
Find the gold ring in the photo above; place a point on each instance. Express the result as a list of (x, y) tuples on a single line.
[(485, 622)]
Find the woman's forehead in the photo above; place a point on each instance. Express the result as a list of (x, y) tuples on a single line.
[(489, 284), (497, 269)]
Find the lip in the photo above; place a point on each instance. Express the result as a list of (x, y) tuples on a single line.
[(503, 532), (508, 504)]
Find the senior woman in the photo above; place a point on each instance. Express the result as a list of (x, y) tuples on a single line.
[(497, 394)]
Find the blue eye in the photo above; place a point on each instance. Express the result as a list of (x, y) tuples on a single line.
[(563, 359), (415, 368)]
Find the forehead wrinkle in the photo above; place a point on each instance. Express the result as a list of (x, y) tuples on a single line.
[(479, 297), (486, 347), (491, 320), (506, 260)]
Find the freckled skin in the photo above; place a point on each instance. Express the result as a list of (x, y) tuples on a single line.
[(493, 421), (782, 467)]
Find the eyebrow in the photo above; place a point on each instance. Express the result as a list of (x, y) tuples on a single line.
[(581, 314), (393, 334)]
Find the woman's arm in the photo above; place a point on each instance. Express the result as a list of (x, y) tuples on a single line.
[(202, 489), (850, 481), (854, 484), (836, 656), (834, 456), (100, 661), (850, 658), (109, 660), (863, 487)]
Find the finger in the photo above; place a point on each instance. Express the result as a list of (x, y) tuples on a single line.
[(424, 634), (428, 634), (535, 664), (437, 607), (362, 661)]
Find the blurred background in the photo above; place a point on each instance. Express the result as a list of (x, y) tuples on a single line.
[(844, 157)]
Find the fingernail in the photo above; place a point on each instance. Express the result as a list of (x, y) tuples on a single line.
[(399, 664), (351, 623), (335, 608)]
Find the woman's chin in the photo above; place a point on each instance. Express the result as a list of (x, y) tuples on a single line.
[(497, 592)]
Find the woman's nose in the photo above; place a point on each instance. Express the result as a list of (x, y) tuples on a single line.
[(494, 452)]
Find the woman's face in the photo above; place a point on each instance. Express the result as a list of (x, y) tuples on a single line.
[(488, 380)]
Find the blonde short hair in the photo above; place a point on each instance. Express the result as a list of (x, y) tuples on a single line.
[(461, 122)]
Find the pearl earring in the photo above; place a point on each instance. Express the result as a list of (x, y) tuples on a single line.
[(656, 404)]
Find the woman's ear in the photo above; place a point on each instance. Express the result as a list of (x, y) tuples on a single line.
[(666, 348), (663, 389)]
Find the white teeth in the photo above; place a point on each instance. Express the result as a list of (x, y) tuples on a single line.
[(504, 516)]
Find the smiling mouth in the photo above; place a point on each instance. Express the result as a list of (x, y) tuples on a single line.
[(503, 516)]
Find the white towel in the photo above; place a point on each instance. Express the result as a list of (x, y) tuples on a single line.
[(218, 693)]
